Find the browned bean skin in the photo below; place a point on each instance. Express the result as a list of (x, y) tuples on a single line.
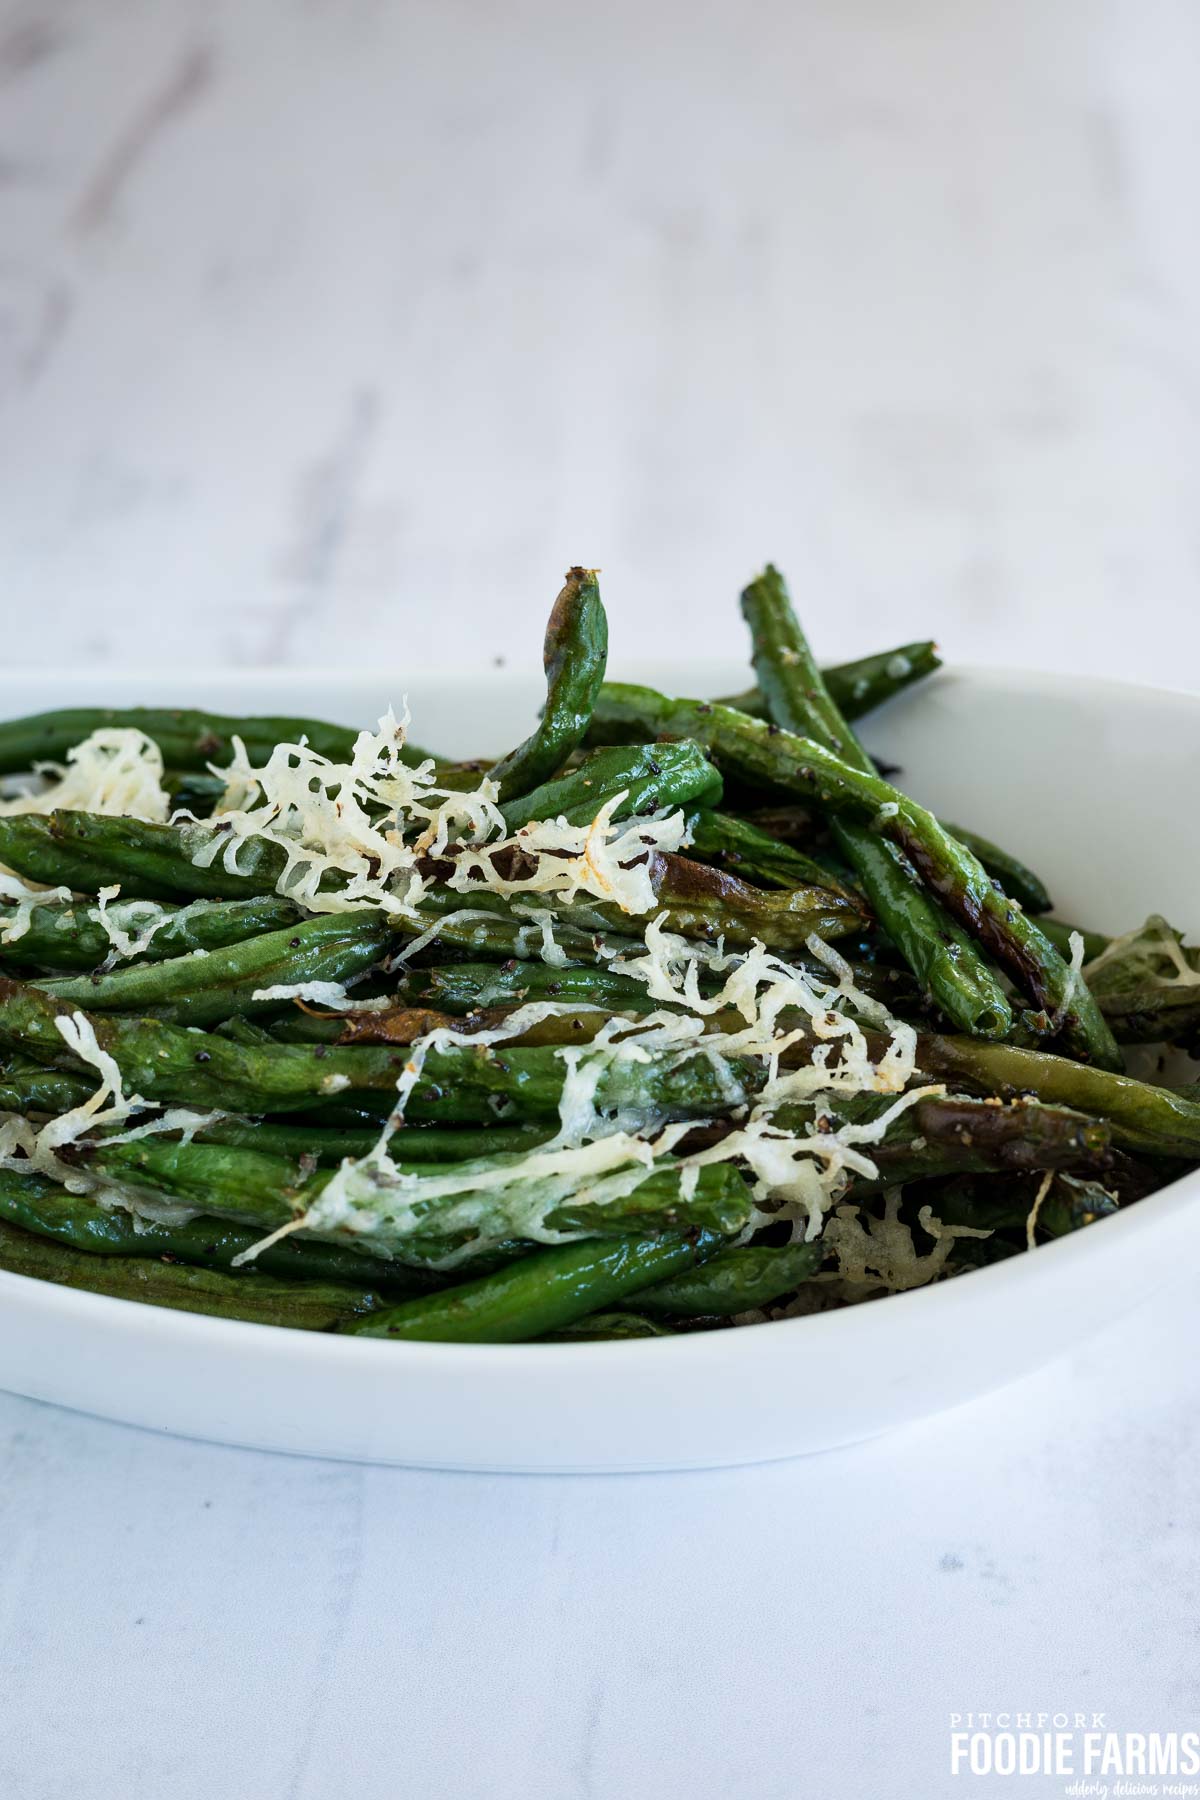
[(574, 655)]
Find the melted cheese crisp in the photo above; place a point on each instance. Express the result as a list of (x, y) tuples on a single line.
[(1152, 954), (880, 1255)]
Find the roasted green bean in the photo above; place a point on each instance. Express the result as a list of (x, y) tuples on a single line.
[(574, 656)]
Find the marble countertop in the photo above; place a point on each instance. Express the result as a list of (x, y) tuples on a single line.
[(187, 1620), (332, 326)]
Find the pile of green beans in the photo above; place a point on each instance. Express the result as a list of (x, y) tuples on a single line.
[(205, 985)]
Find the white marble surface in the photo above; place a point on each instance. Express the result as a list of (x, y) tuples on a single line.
[(347, 323), (341, 313)]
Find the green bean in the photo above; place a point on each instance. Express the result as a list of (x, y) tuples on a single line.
[(1060, 935), (574, 655), (988, 1134), (194, 793), (609, 1327), (650, 775), (189, 740), (736, 1281), (414, 1145), (47, 1210), (692, 899), (795, 695), (544, 1292), (742, 847), (247, 1186), (33, 846), (1156, 1120), (201, 990), (172, 862), (177, 1066), (1166, 1014), (859, 687), (489, 925), (244, 1031), (406, 1025), (162, 857), (72, 936), (88, 851), (467, 986), (709, 903), (164, 853), (1014, 876), (1148, 985), (704, 903), (1073, 1202), (260, 1299), (942, 1136), (477, 1225), (698, 902), (751, 748), (266, 1192), (1069, 1203), (464, 988), (28, 1086), (935, 947)]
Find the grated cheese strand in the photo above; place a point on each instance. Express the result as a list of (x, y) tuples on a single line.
[(117, 771), (132, 932), (1044, 1186), (107, 1106), (26, 897), (607, 859)]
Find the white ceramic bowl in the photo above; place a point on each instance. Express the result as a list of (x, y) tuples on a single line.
[(1092, 782)]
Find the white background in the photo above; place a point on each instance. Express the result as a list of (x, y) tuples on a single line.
[(336, 330)]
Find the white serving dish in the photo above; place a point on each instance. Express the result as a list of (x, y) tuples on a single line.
[(1090, 781)]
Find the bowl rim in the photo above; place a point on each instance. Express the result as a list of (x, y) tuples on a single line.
[(726, 668), (822, 1330)]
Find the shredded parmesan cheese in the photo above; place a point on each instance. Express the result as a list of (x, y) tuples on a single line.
[(130, 931), (108, 1106), (1044, 1186), (1074, 977), (116, 771), (15, 925), (318, 993), (352, 833), (607, 859)]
